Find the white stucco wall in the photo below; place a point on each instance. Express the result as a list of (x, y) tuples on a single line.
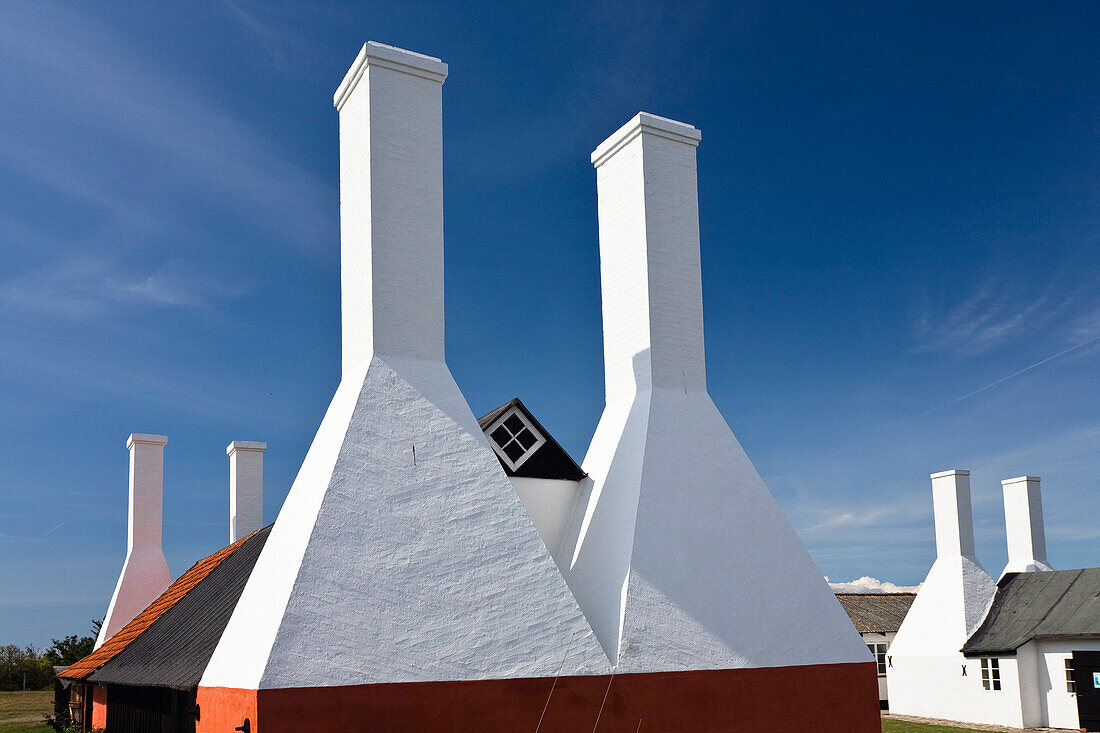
[(1058, 707)]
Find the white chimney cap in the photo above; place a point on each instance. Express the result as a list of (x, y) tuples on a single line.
[(644, 121), (243, 445), (145, 439), (398, 59)]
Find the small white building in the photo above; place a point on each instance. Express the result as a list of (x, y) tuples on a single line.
[(877, 617), (1021, 652)]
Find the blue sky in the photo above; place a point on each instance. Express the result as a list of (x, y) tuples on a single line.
[(900, 230)]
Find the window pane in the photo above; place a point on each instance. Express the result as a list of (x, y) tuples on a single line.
[(514, 450), (526, 439), (513, 423), (500, 436)]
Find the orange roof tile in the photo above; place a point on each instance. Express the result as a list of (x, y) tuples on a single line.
[(81, 669)]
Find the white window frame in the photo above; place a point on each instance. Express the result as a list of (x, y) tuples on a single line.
[(879, 649), (991, 674), (540, 439), (1071, 684)]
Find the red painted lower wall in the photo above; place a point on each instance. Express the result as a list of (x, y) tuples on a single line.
[(99, 707), (829, 698)]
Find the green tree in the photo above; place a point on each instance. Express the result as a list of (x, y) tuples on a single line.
[(23, 665), (72, 648)]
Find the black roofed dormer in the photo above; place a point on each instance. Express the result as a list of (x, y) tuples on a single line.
[(523, 446)]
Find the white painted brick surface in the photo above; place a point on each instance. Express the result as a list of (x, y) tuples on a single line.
[(246, 487), (681, 558), (144, 573), (925, 676), (1026, 534), (402, 552)]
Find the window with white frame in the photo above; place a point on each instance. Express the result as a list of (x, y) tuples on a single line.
[(514, 438), (991, 673), (1071, 686), (879, 650)]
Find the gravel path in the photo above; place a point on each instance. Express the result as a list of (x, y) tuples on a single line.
[(971, 726)]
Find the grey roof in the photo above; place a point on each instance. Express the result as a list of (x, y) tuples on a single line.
[(1063, 604), (876, 613), (175, 649), (549, 461)]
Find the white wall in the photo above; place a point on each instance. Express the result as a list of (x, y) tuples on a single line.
[(550, 504), (887, 638), (1058, 707)]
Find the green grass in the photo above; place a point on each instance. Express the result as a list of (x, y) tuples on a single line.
[(903, 726), (21, 712)]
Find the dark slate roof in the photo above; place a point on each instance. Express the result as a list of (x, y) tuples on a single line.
[(876, 613), (549, 461), (137, 626), (175, 648), (1062, 604)]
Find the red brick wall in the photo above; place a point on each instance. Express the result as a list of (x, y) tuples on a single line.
[(836, 698)]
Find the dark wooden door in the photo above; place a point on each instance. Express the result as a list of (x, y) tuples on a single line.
[(1086, 678), (149, 710)]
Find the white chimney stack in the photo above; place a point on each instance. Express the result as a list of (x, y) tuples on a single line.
[(145, 572), (673, 496), (391, 206), (246, 488), (953, 514), (1027, 542), (649, 254), (399, 489)]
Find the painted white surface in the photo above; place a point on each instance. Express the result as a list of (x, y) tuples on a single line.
[(887, 639), (680, 557), (1027, 542), (402, 552), (1058, 706), (550, 503), (925, 675), (144, 572), (934, 686), (246, 487)]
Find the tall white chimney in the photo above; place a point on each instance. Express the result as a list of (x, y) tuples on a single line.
[(956, 592), (144, 572), (1027, 541), (952, 510), (677, 523), (391, 206), (246, 488), (400, 489)]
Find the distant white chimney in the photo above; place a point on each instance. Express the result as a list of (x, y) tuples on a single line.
[(246, 488), (1027, 542), (145, 572), (953, 514)]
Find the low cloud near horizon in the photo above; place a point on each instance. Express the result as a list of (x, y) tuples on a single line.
[(867, 584)]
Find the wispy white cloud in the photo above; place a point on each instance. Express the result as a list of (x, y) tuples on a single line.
[(988, 318), (867, 584), (83, 288)]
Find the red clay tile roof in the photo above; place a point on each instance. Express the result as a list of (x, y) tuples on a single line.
[(81, 669)]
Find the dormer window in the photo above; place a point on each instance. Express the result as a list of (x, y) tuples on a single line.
[(514, 438)]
